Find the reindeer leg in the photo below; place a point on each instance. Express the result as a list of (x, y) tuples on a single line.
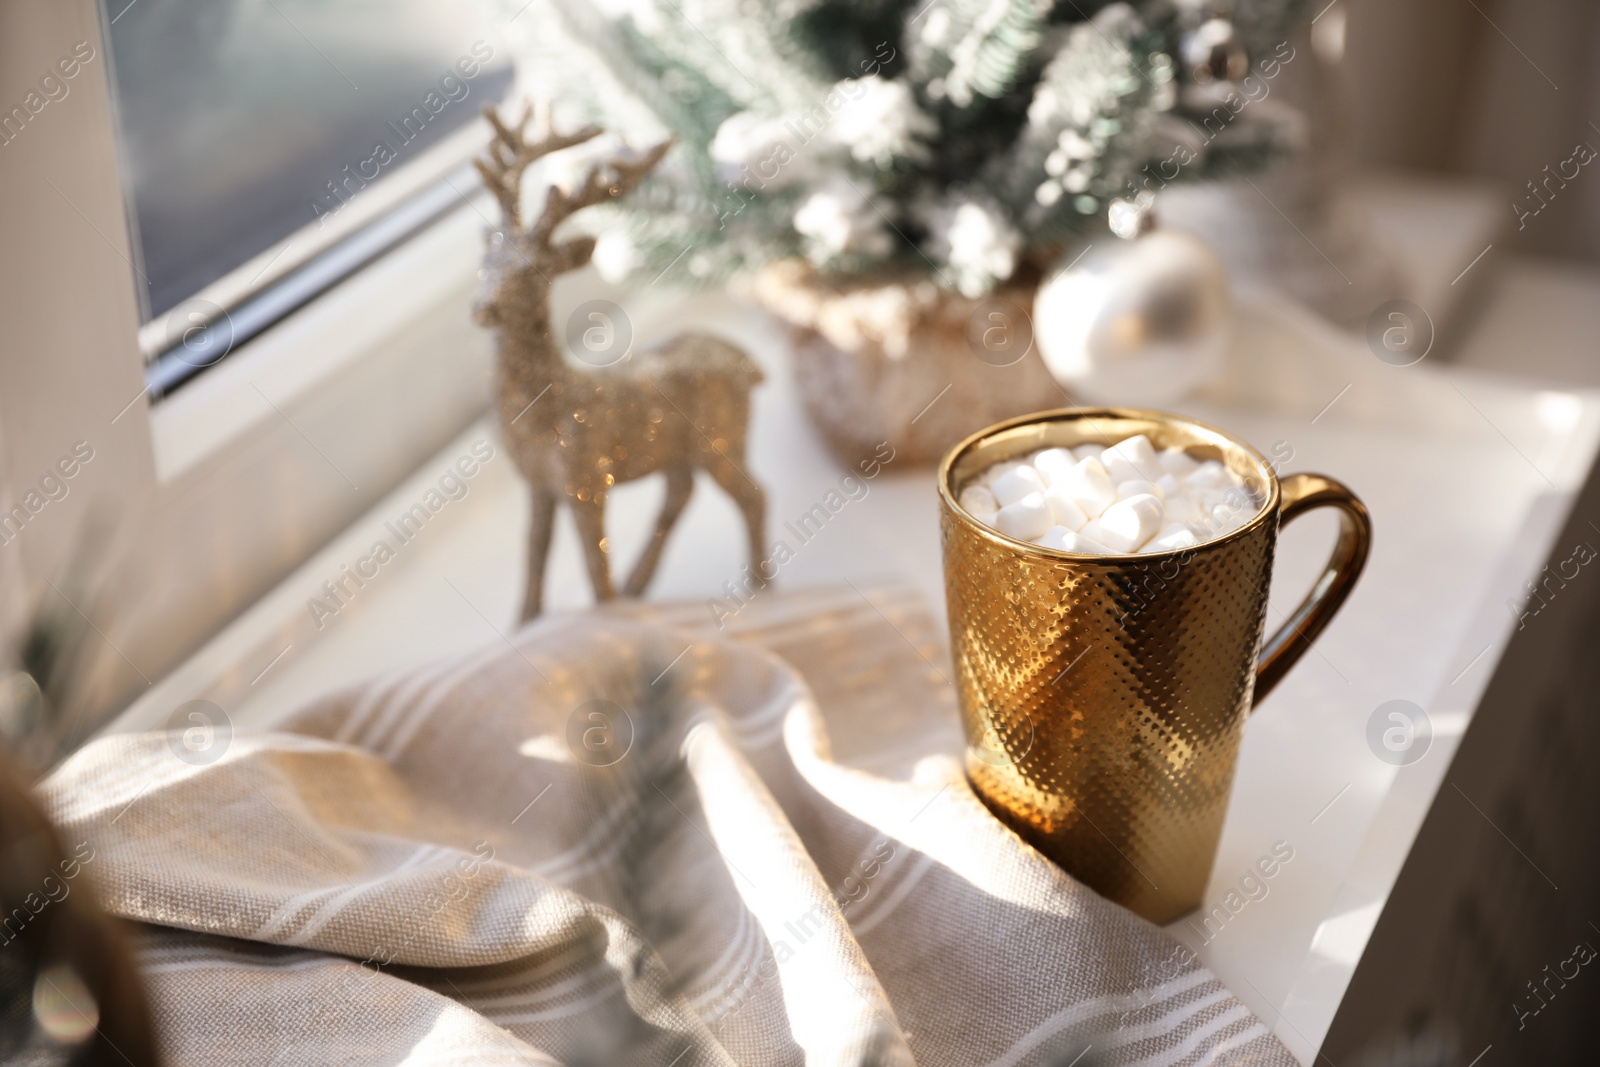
[(752, 501), (540, 524), (591, 518), (680, 484)]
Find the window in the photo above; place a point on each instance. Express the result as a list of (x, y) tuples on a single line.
[(182, 171), (258, 139)]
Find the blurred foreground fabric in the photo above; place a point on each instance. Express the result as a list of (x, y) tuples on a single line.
[(762, 851)]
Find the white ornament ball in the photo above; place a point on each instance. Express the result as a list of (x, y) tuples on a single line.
[(1138, 322)]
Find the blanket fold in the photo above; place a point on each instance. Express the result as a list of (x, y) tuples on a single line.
[(627, 838)]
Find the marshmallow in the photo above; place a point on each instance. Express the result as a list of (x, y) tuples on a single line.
[(1090, 485), (1093, 531), (1206, 527), (977, 499), (1129, 523), (1233, 510), (1120, 469), (1132, 460), (1170, 539), (1063, 509), (1099, 500), (1135, 488), (1059, 538), (1178, 527), (1024, 519), (1089, 547), (999, 470), (1016, 483), (1184, 506), (1053, 464), (1177, 462), (1240, 499), (1209, 475), (1064, 540), (1225, 519), (1137, 449)]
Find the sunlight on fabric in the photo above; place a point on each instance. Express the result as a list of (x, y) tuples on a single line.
[(458, 1036), (545, 746)]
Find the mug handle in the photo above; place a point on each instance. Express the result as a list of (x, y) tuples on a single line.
[(1298, 494)]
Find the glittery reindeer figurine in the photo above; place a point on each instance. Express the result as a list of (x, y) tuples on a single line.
[(575, 430)]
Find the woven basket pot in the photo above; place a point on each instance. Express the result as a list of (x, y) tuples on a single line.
[(902, 360)]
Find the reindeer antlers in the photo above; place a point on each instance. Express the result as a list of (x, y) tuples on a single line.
[(598, 187), (510, 155)]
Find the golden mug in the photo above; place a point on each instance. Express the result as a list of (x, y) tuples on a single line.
[(1104, 697)]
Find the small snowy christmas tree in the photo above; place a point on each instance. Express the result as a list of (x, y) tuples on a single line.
[(959, 138)]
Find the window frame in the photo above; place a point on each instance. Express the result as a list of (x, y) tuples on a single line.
[(219, 490)]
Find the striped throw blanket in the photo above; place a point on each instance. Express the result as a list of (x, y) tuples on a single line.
[(627, 838)]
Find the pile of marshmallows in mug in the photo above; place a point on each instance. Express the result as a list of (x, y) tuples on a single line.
[(1100, 501)]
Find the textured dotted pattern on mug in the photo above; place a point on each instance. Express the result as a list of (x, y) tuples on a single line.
[(1106, 701)]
